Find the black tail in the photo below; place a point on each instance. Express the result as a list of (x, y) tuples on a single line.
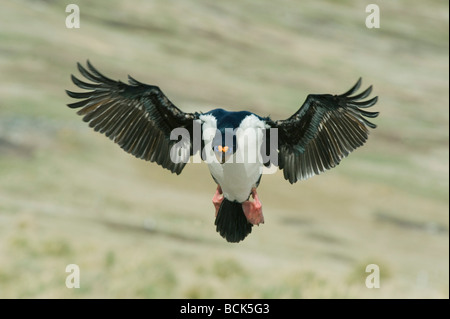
[(231, 222)]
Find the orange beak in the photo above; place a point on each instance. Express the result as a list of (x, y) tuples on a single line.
[(223, 149)]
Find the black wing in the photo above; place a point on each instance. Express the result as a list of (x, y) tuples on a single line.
[(322, 132), (136, 116)]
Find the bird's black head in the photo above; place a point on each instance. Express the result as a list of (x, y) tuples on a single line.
[(224, 143)]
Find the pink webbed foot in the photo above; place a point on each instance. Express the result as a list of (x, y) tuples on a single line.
[(253, 209), (218, 198)]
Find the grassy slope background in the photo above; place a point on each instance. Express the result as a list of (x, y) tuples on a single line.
[(69, 195)]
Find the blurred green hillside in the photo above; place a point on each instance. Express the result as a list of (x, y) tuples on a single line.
[(68, 195)]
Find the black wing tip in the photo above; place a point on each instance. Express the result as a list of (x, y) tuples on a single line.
[(94, 70), (354, 88), (133, 81), (362, 95), (88, 64), (76, 81), (72, 95), (83, 85), (371, 102), (356, 103), (81, 68)]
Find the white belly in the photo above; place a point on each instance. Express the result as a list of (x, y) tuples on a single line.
[(236, 179)]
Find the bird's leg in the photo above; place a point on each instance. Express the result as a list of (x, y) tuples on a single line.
[(218, 198), (253, 209)]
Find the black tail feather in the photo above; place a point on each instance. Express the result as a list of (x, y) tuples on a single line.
[(231, 222)]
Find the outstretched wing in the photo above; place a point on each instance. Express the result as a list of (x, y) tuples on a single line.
[(136, 116), (322, 132)]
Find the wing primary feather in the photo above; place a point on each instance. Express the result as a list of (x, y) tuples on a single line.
[(353, 89), (362, 95), (87, 86), (364, 104), (77, 105), (357, 114), (88, 75), (98, 74), (368, 123), (133, 81), (82, 95), (369, 114)]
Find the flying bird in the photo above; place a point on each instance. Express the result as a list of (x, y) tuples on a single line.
[(237, 146)]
